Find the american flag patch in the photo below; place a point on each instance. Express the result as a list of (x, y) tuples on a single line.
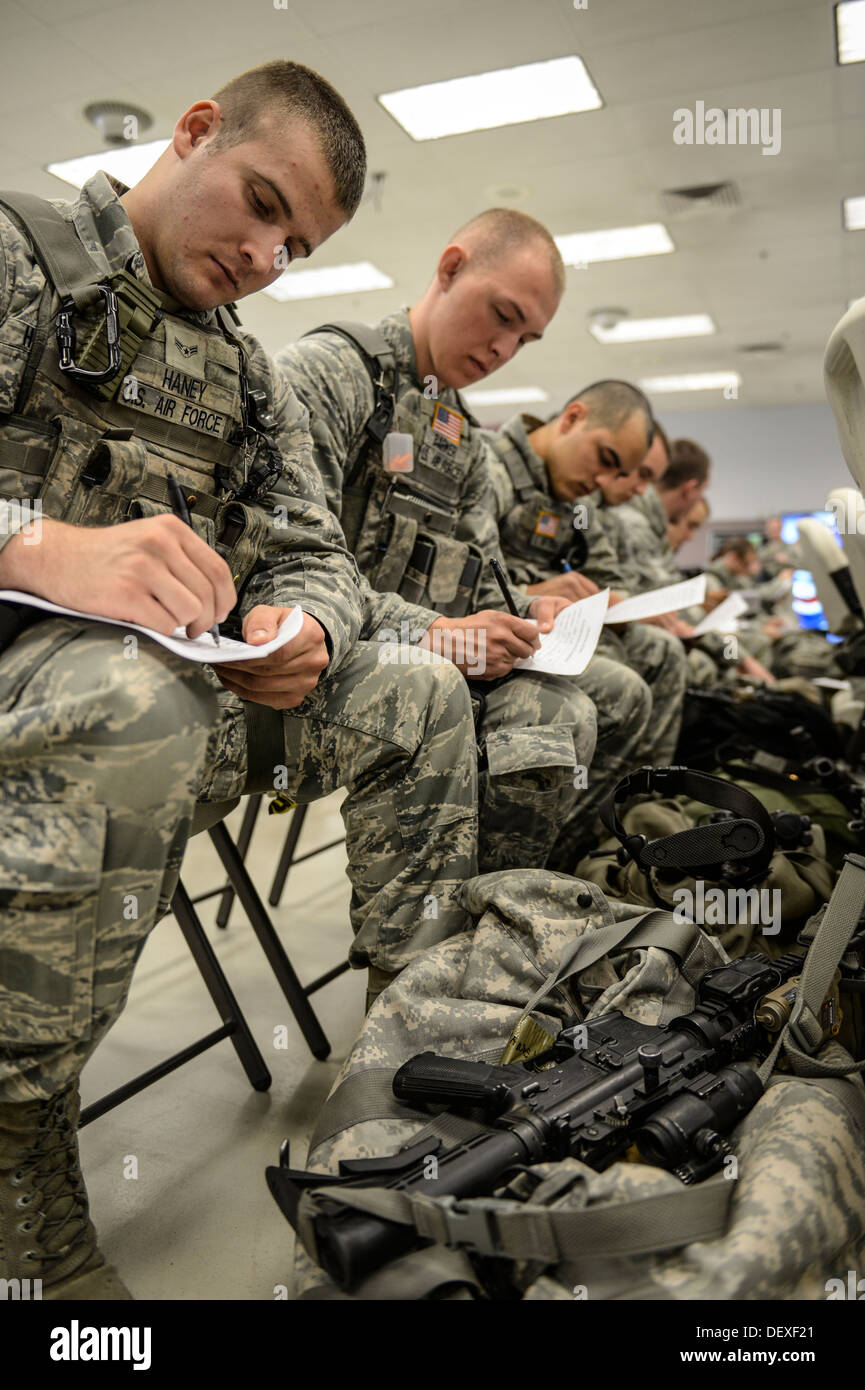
[(547, 524), (448, 422)]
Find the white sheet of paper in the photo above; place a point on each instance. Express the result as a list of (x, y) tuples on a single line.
[(725, 617), (657, 601), (567, 650), (201, 648), (828, 683)]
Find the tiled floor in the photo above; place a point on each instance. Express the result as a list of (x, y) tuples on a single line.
[(197, 1222)]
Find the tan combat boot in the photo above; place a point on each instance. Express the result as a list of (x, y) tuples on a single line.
[(45, 1231)]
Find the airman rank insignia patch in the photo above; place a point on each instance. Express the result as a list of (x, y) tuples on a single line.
[(547, 524), (448, 422), (185, 348)]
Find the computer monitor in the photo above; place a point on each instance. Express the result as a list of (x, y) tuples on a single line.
[(806, 604)]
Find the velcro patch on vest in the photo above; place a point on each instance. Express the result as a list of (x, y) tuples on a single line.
[(185, 348), (448, 423), (180, 399), (547, 524)]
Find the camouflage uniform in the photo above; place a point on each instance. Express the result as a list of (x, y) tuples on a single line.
[(533, 730), (641, 527), (776, 556), (526, 511), (103, 756)]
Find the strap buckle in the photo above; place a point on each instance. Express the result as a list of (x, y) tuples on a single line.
[(66, 340), (470, 1227)]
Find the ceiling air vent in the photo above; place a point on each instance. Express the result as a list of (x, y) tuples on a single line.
[(760, 349), (701, 198)]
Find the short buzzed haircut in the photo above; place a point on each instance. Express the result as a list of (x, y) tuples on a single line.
[(506, 230), (739, 546), (610, 403), (661, 433), (291, 91), (687, 461)]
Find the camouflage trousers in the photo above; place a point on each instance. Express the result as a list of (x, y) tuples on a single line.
[(623, 703), (534, 731), (660, 659), (102, 759)]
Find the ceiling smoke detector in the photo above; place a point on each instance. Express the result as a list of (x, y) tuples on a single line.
[(607, 319), (118, 122)]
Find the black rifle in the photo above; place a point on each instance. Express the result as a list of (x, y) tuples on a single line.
[(675, 1091)]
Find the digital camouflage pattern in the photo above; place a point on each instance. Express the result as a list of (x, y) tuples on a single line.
[(641, 525), (105, 748), (797, 1213), (101, 762), (524, 505), (290, 548), (533, 733)]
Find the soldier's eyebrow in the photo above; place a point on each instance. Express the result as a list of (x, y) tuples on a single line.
[(522, 318), (278, 194)]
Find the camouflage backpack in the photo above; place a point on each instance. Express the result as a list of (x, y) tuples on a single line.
[(787, 1213)]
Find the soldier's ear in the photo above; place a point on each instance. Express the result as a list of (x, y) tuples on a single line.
[(200, 122), (572, 416), (452, 260)]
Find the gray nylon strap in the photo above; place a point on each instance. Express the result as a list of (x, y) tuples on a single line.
[(803, 1034), (365, 1095), (664, 1221), (845, 908), (654, 928), (67, 264)]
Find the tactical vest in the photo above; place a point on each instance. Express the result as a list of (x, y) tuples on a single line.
[(116, 389), (400, 526), (538, 529)]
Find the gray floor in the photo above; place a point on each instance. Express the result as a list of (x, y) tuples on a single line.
[(197, 1222)]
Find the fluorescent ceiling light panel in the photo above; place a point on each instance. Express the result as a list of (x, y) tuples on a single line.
[(850, 31), (330, 279), (854, 214), (507, 96), (694, 381), (643, 330), (514, 395), (614, 244), (129, 165)]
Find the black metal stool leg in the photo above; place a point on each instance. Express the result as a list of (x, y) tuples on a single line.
[(250, 816), (220, 990), (286, 859), (234, 1024), (270, 942)]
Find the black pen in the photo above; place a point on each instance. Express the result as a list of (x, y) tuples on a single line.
[(502, 581), (179, 507)]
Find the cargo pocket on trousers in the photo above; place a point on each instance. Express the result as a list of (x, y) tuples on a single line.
[(50, 874), (375, 844), (529, 759)]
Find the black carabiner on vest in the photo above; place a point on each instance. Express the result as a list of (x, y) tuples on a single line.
[(66, 340)]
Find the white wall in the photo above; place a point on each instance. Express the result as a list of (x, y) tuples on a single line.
[(766, 460)]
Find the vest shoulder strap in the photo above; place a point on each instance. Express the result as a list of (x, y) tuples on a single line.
[(378, 358), (506, 450), (65, 261), (370, 341)]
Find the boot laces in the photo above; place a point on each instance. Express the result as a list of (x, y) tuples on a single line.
[(52, 1169)]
